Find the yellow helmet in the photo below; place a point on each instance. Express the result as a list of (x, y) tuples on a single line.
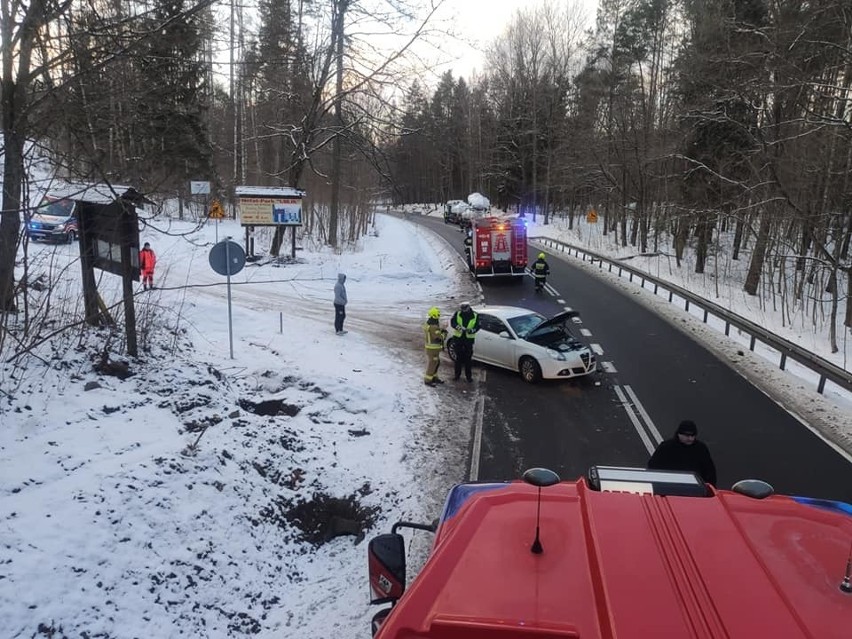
[(434, 312), (541, 256)]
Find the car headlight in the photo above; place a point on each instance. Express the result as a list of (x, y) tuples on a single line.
[(556, 355)]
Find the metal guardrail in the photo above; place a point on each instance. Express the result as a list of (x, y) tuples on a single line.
[(786, 349)]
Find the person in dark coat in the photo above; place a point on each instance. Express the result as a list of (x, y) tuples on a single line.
[(465, 324), (685, 452)]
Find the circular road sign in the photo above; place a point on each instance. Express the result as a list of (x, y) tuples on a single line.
[(227, 258)]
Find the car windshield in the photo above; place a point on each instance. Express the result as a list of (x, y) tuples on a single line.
[(523, 324), (56, 208)]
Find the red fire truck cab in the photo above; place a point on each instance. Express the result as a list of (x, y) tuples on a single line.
[(498, 248), (622, 552)]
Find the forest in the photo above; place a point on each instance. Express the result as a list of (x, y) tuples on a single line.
[(681, 122)]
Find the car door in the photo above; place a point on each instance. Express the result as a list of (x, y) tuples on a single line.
[(490, 347)]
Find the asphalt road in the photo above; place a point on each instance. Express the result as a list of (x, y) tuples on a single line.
[(654, 376)]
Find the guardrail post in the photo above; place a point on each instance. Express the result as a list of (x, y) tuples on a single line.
[(825, 370)]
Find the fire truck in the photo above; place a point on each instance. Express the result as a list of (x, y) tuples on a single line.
[(621, 552), (498, 247)]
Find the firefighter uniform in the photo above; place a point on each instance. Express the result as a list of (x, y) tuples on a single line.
[(434, 345), (540, 271)]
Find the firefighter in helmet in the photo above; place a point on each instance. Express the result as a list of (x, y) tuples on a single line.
[(435, 336), (468, 246), (540, 270)]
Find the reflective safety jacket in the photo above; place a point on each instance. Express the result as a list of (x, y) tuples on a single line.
[(465, 327), (540, 268), (434, 335)]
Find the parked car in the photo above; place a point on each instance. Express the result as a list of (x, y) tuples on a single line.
[(453, 210), (54, 221), (525, 341)]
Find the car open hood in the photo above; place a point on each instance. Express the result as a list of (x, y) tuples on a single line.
[(554, 333), (548, 325)]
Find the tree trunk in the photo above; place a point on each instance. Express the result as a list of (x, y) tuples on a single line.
[(755, 267)]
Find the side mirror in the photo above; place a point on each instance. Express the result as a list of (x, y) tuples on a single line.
[(505, 334), (378, 620), (386, 565)]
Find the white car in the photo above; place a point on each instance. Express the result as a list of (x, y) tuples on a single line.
[(525, 341)]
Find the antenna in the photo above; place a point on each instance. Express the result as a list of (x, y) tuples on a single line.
[(539, 477), (846, 585)]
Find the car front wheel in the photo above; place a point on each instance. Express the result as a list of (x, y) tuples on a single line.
[(530, 370), (452, 349)]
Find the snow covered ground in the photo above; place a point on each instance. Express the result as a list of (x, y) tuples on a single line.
[(186, 493), (193, 496)]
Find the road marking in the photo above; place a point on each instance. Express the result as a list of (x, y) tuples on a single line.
[(608, 367), (567, 309), (476, 449), (560, 301), (585, 332), (648, 421), (551, 290), (596, 348), (628, 408)]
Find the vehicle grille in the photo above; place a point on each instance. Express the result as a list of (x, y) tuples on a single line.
[(586, 358)]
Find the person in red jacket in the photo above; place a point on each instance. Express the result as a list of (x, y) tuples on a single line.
[(147, 261)]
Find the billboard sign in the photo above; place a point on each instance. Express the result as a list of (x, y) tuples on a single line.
[(270, 206)]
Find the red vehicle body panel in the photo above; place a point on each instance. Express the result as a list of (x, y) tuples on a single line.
[(499, 247), (629, 566)]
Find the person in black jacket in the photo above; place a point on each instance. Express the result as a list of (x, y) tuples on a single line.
[(685, 452)]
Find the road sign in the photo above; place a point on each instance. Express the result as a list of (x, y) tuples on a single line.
[(199, 188), (227, 258), (216, 211), (592, 216)]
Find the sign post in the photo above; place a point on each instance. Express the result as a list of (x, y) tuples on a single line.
[(228, 258)]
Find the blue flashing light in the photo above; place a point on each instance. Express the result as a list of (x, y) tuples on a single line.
[(826, 504), (460, 493)]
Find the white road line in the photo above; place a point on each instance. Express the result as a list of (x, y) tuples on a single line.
[(597, 348), (608, 367), (567, 309), (551, 290), (560, 301), (648, 421), (476, 450), (585, 332), (628, 408)]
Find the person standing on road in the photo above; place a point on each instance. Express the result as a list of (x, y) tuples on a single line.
[(340, 301), (685, 452), (465, 324), (435, 336), (540, 270), (147, 262)]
